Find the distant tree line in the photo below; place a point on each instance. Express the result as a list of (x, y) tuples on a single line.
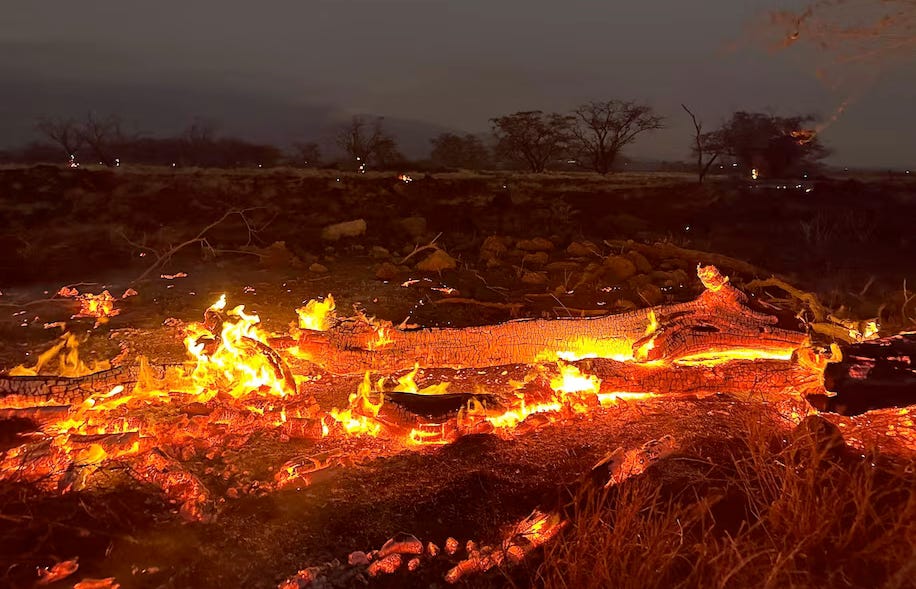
[(591, 137)]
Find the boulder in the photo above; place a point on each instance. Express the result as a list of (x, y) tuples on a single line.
[(318, 268), (535, 259), (538, 244), (437, 262), (413, 226), (619, 268), (534, 278), (581, 249), (337, 231)]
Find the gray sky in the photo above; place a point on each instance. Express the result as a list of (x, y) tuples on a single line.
[(287, 69)]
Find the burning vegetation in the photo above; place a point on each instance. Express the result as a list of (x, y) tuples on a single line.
[(95, 427)]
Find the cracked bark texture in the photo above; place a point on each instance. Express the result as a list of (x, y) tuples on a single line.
[(715, 322)]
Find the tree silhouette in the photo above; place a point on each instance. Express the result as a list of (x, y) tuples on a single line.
[(533, 138), (706, 146), (774, 145), (602, 129), (64, 132), (456, 151), (365, 142)]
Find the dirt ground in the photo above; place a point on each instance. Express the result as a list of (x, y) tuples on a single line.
[(522, 246)]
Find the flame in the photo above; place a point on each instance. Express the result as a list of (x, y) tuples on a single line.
[(711, 278), (66, 350), (359, 417), (407, 384), (571, 380), (317, 315), (381, 338), (235, 366)]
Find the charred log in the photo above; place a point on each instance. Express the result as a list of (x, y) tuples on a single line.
[(717, 321), (872, 375)]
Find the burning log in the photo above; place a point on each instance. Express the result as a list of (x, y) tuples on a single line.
[(716, 323), (34, 391)]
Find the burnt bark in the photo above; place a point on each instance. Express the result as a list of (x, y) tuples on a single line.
[(872, 375)]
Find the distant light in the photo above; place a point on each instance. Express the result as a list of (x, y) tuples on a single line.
[(734, 165), (173, 164), (687, 228), (117, 162)]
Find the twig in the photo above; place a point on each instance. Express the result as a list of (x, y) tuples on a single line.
[(163, 257), (421, 248)]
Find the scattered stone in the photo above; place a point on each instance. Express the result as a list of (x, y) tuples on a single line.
[(538, 244), (386, 271), (819, 435), (534, 278), (670, 278), (494, 247), (414, 226), (563, 266), (337, 231), (535, 259), (650, 294), (582, 249), (642, 263), (437, 262), (379, 253), (276, 255), (358, 558), (619, 268), (318, 268)]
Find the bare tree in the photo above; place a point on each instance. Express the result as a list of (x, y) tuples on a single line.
[(64, 132), (706, 146), (366, 142), (200, 130), (532, 137), (102, 135), (602, 129), (307, 153)]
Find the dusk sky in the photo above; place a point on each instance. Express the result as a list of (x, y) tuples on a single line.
[(288, 70)]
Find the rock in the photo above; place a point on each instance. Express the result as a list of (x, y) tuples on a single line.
[(337, 231), (534, 278), (379, 253), (493, 263), (538, 244), (670, 278), (819, 435), (582, 249), (563, 266), (650, 294), (437, 262), (358, 558), (276, 255), (318, 268), (642, 263), (414, 226), (535, 259), (619, 268), (494, 247), (386, 271)]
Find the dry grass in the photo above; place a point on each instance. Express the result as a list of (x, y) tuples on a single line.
[(762, 511)]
